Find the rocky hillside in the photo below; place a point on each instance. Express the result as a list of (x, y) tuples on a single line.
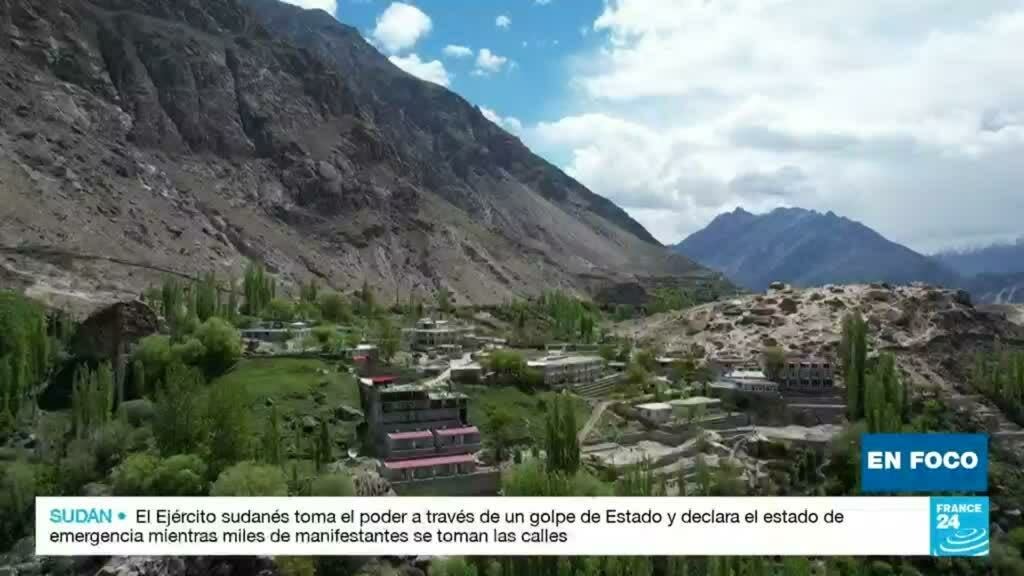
[(806, 248), (191, 135), (935, 334), (995, 273)]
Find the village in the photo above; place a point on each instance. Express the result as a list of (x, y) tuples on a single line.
[(422, 430)]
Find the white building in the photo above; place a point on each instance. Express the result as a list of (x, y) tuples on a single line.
[(657, 412), (564, 369)]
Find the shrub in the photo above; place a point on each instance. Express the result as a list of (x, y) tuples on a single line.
[(250, 479), (134, 477), (190, 352), (222, 344), (180, 475), (18, 489), (154, 353), (111, 443), (333, 485), (137, 412)]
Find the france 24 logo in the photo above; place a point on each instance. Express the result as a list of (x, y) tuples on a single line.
[(960, 526)]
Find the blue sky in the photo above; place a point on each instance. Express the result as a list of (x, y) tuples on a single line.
[(907, 115), (536, 41)]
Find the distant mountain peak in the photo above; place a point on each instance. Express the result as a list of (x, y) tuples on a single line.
[(807, 248)]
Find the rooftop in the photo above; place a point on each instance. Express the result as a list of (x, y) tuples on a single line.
[(654, 406), (416, 434), (458, 431), (695, 401), (564, 360), (427, 462), (746, 375)]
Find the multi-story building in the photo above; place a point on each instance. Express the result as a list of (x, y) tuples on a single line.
[(565, 370), (422, 433), (807, 374), (430, 333)]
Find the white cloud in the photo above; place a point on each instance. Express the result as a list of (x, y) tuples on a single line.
[(510, 123), (432, 71), (400, 26), (488, 62), (906, 114), (329, 6), (542, 2), (456, 51), (503, 21)]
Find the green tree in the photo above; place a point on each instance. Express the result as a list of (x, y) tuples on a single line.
[(154, 353), (139, 379), (323, 453), (230, 427), (272, 453), (368, 302), (207, 297), (222, 346), (259, 289), (18, 490), (560, 444), (310, 292), (334, 308), (884, 397), (444, 300), (250, 479), (179, 417), (500, 426), (774, 362), (389, 339), (853, 357), (280, 310)]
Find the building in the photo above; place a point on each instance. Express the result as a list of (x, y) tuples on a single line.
[(807, 375), (657, 412), (423, 438), (470, 373), (566, 370), (744, 383), (430, 333), (275, 332), (687, 408)]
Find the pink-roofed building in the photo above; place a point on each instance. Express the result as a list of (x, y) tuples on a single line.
[(427, 468)]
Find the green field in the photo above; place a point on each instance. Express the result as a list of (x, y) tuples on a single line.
[(529, 411), (294, 385)]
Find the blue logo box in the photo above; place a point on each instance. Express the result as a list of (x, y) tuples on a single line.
[(924, 463), (960, 526)]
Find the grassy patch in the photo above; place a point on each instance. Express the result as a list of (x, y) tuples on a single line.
[(529, 411), (293, 384)]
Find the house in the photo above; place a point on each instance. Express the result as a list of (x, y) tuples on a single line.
[(687, 408), (422, 436), (657, 412), (807, 374), (744, 383), (470, 373), (430, 333), (563, 369)]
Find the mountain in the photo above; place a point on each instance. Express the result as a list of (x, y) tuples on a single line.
[(806, 248), (995, 259), (995, 274), (194, 135)]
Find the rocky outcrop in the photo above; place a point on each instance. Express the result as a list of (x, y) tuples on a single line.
[(114, 329)]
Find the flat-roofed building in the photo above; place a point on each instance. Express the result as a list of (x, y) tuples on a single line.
[(749, 383), (657, 412), (428, 468), (430, 333), (567, 370), (688, 407), (807, 374)]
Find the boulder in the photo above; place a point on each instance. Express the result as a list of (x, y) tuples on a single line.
[(763, 320), (788, 305), (113, 329), (762, 311), (835, 303), (777, 286), (309, 423), (878, 295)]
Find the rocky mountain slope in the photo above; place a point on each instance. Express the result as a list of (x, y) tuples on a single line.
[(193, 135), (806, 248), (934, 333)]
